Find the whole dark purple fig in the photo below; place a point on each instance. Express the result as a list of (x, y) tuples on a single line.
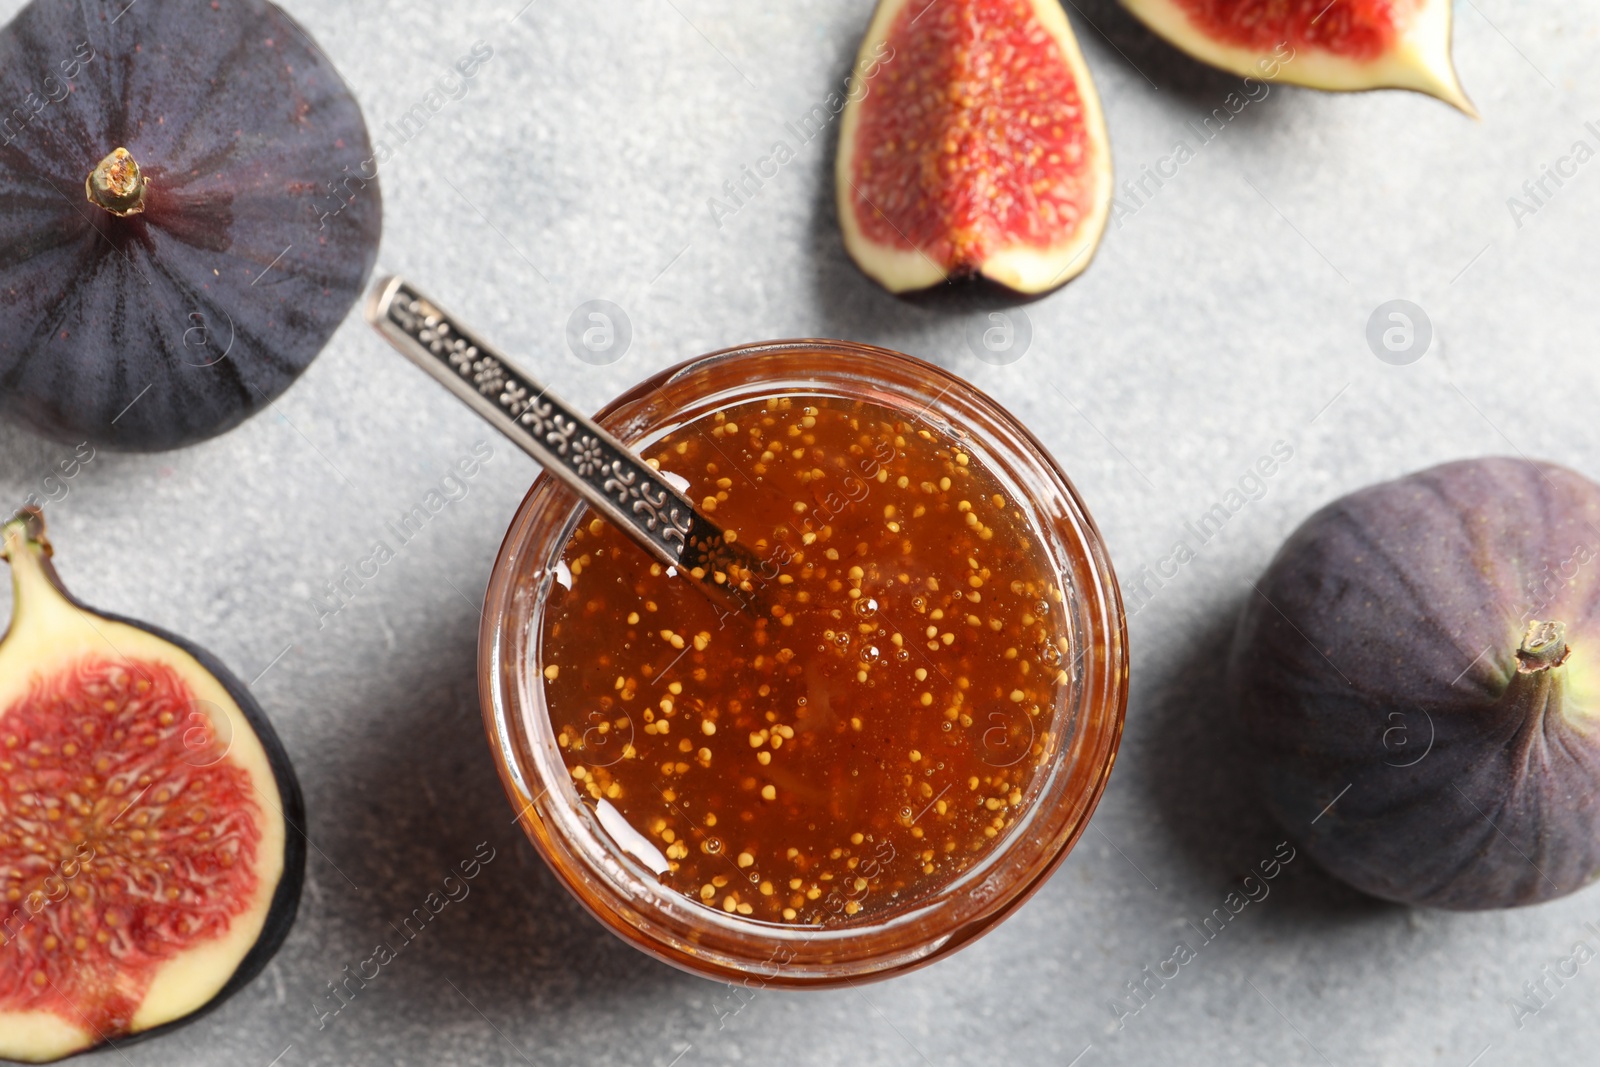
[(1419, 670), (188, 209)]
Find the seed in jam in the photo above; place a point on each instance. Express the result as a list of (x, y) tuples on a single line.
[(876, 728)]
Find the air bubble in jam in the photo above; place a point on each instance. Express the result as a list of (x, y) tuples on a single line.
[(824, 760)]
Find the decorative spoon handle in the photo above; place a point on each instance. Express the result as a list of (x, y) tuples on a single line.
[(611, 479)]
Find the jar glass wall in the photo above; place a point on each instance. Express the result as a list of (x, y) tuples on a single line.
[(624, 893)]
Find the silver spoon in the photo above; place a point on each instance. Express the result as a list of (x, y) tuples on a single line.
[(622, 487)]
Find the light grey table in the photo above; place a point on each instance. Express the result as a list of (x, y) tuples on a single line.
[(1225, 314)]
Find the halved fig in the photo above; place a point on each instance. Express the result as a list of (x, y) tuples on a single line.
[(972, 144), (1419, 670), (191, 207), (1323, 44), (148, 865)]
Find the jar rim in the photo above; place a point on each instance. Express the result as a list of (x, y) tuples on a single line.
[(683, 932)]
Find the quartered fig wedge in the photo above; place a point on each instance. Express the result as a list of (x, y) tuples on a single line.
[(191, 207), (1419, 670), (972, 145), (1323, 44), (149, 866)]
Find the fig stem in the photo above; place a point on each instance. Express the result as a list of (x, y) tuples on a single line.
[(36, 593), (26, 526), (117, 184), (1544, 645)]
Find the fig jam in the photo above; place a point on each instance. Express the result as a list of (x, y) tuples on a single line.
[(874, 730)]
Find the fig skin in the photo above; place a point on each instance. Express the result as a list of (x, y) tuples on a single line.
[(37, 637), (1375, 670), (161, 323)]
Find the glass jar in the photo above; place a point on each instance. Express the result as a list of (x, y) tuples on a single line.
[(623, 893)]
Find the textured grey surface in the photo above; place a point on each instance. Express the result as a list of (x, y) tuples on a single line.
[(1224, 315)]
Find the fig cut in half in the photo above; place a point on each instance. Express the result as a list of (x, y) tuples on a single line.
[(1322, 44), (1419, 672), (148, 868), (972, 144), (191, 208)]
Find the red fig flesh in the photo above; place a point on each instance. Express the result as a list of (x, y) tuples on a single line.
[(972, 144)]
